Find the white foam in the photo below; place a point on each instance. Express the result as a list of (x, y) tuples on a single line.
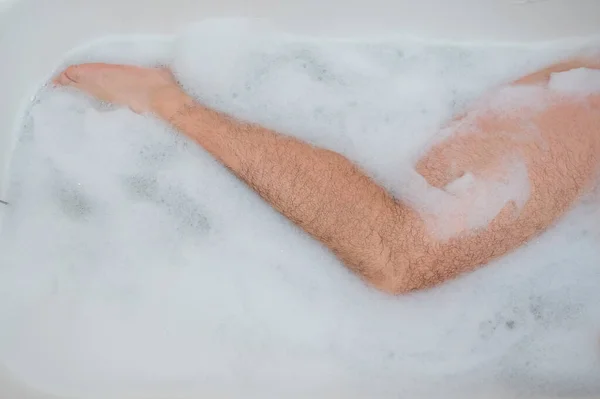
[(134, 264), (576, 81), (471, 202)]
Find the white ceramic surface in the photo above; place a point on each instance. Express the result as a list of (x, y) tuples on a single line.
[(34, 34)]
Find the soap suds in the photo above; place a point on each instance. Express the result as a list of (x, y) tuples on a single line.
[(576, 81)]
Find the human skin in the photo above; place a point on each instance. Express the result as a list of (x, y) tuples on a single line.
[(383, 240)]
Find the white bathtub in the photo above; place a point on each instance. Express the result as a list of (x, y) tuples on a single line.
[(34, 35)]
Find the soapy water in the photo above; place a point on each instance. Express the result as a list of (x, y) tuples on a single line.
[(135, 264)]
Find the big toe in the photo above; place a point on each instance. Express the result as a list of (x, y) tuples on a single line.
[(74, 73), (69, 76)]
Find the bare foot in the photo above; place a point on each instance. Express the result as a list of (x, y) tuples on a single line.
[(132, 86)]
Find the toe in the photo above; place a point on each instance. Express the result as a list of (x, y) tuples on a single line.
[(73, 73)]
